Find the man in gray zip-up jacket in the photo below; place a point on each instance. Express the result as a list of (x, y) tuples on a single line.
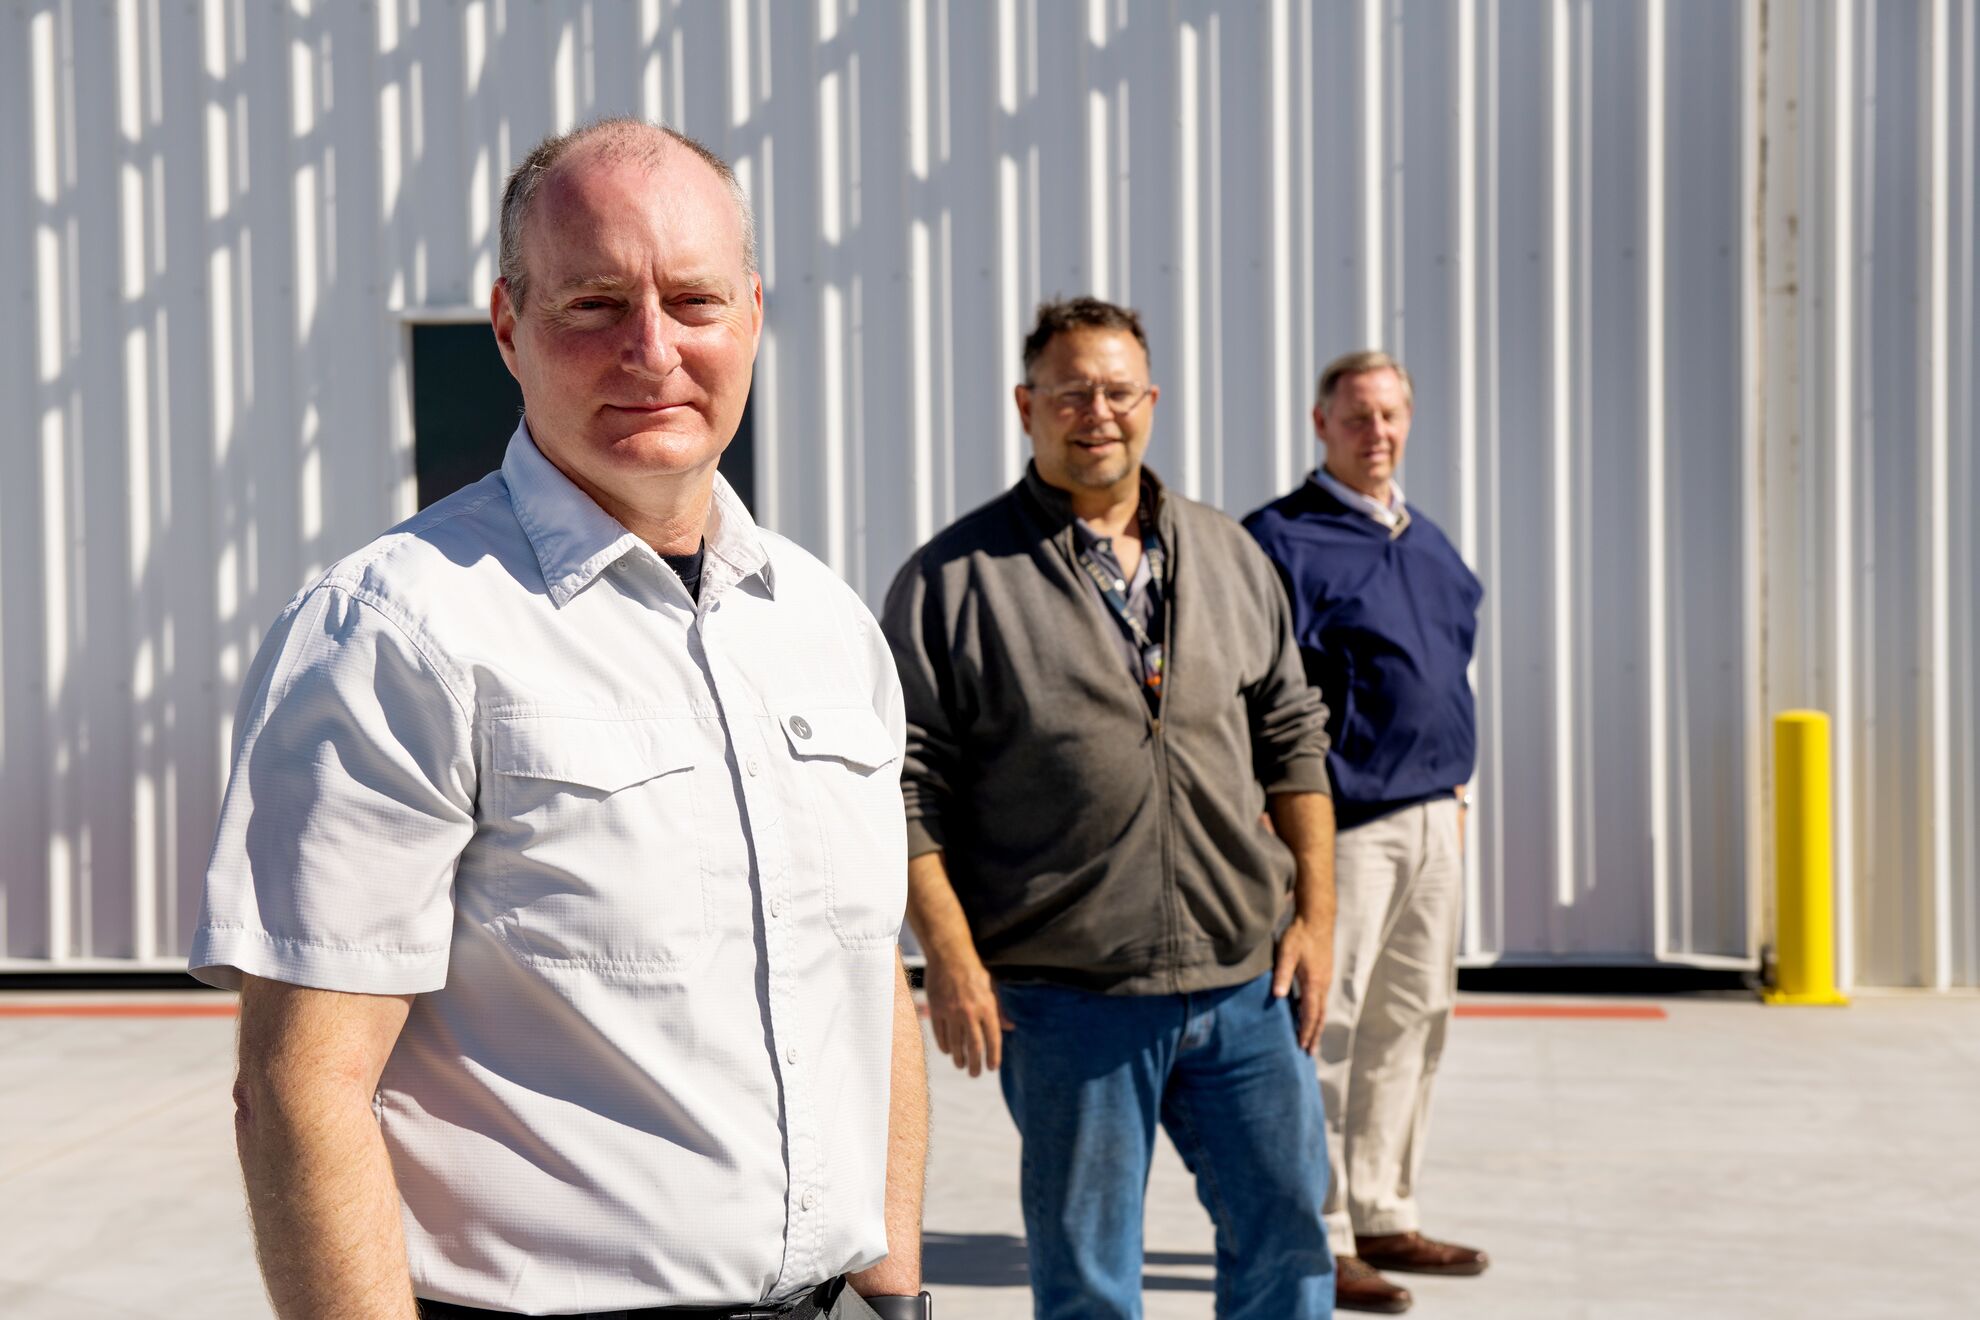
[(1103, 696)]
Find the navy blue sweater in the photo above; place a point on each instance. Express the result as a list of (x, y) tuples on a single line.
[(1386, 627)]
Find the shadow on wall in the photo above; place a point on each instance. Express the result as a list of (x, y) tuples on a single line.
[(997, 1260)]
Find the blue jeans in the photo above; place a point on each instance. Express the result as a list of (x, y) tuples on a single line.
[(1087, 1077)]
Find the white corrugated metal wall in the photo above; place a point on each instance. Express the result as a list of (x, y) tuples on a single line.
[(1687, 287), (1870, 480)]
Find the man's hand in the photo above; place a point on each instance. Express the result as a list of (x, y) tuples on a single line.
[(1306, 951), (962, 998), (969, 1023), (1306, 960)]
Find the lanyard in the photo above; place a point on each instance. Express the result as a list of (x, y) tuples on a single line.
[(1113, 590)]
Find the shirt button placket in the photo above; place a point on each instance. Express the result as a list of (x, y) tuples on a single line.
[(781, 939), (757, 746)]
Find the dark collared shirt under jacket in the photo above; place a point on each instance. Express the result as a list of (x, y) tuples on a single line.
[(1142, 593), (1092, 841)]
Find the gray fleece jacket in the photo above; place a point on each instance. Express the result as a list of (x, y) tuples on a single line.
[(1092, 842)]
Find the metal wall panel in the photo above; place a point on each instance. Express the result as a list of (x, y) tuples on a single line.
[(1688, 289), (1868, 451)]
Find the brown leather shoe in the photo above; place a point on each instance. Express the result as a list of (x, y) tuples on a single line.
[(1412, 1253), (1357, 1287)]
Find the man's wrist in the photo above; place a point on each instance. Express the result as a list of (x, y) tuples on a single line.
[(951, 955), (897, 1307)]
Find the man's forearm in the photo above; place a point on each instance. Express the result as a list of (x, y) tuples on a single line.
[(320, 1188), (1305, 822), (907, 1156), (325, 1206), (934, 912), (963, 1010)]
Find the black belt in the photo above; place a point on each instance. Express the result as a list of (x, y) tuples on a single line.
[(817, 1302)]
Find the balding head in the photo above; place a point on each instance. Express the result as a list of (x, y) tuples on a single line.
[(605, 142), (637, 342)]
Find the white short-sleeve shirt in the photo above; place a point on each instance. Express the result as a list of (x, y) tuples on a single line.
[(643, 864)]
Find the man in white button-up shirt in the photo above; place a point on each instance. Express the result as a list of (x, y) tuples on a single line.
[(562, 863)]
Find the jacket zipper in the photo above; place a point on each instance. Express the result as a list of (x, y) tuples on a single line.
[(1172, 903), (1161, 750)]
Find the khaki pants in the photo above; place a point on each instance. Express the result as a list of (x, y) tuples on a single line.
[(1400, 882)]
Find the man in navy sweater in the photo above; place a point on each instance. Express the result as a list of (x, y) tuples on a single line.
[(1385, 613)]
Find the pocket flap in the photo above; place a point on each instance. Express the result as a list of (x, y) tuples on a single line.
[(597, 754), (853, 734)]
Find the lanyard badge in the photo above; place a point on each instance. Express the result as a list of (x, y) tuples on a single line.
[(1114, 591)]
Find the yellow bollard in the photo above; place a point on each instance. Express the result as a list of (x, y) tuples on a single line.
[(1805, 947)]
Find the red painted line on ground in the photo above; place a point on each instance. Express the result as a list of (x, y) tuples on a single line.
[(226, 1010), (1604, 1012)]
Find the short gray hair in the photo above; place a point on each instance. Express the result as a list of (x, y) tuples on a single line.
[(622, 138), (1357, 363)]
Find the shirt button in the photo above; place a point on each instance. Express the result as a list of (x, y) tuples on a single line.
[(790, 1054), (777, 906), (753, 767), (810, 1198), (800, 726)]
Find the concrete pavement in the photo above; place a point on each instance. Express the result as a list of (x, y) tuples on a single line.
[(1723, 1160)]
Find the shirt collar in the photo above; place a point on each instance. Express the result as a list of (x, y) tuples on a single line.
[(1394, 515), (575, 540), (1088, 541), (1057, 504)]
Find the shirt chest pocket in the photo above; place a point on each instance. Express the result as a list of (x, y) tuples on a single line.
[(600, 821), (849, 773)]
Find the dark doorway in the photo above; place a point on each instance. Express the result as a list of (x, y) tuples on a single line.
[(465, 406)]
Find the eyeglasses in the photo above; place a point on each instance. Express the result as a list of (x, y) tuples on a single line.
[(1076, 396)]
